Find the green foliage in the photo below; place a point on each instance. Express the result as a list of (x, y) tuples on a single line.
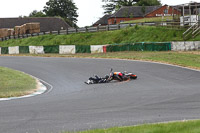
[(131, 15), (63, 8), (114, 5), (143, 10), (36, 13), (148, 3), (136, 27), (126, 35), (174, 34)]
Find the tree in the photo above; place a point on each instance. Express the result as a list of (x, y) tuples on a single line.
[(63, 8), (148, 3), (114, 5), (36, 13), (143, 10)]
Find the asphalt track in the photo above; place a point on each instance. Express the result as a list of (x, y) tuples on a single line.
[(161, 93)]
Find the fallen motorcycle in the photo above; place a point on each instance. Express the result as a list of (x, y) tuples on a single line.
[(119, 76)]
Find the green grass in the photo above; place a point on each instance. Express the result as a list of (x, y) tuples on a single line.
[(14, 83), (173, 127), (189, 59), (186, 59), (154, 19), (127, 35)]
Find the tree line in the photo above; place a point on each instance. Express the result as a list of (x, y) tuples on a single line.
[(67, 9), (114, 5)]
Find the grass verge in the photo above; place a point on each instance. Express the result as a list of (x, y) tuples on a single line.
[(173, 127), (189, 59), (14, 83), (126, 35)]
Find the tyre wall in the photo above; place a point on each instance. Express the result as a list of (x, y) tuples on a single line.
[(96, 48), (4, 50), (13, 50), (72, 49), (23, 49), (59, 49), (36, 49), (51, 49), (83, 49), (67, 49)]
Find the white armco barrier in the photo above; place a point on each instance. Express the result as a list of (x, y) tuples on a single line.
[(13, 50), (197, 45), (178, 46), (189, 46), (36, 49), (185, 46), (0, 50), (96, 48), (173, 46), (67, 49), (181, 46)]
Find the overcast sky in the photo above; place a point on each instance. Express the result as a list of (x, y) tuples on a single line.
[(89, 10)]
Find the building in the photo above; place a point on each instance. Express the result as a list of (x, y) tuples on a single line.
[(190, 13), (46, 23), (192, 8), (127, 13), (102, 21)]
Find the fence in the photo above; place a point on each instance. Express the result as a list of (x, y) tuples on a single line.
[(72, 49), (96, 29), (141, 46)]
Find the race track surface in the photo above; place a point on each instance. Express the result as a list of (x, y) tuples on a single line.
[(161, 93)]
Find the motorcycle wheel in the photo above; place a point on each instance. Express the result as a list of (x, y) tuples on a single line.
[(133, 76)]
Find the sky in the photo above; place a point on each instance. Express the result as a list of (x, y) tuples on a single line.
[(89, 11)]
